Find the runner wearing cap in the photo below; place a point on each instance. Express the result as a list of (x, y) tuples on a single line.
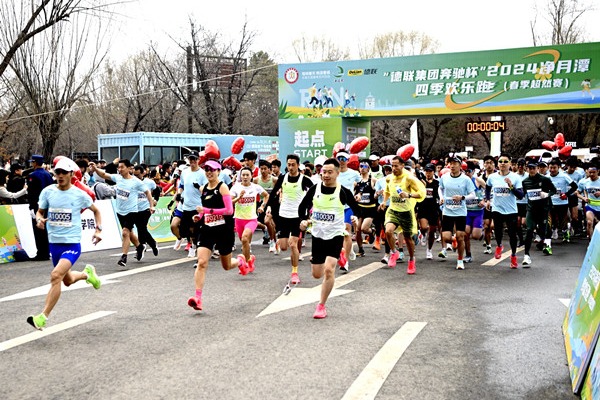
[(538, 189), (519, 169), (376, 170), (191, 180), (267, 182), (380, 216), (506, 188), (577, 174), (59, 213), (364, 193), (455, 189), (475, 210), (565, 186), (217, 230), (489, 167), (402, 189)]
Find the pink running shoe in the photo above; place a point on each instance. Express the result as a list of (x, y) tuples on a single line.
[(392, 260), (251, 263), (412, 268), (498, 253), (342, 260), (513, 262), (295, 278), (320, 312), (242, 265), (188, 246), (195, 303)]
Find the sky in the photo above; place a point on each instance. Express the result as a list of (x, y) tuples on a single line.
[(458, 25)]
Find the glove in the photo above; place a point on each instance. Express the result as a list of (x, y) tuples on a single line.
[(178, 197), (563, 196), (196, 185), (543, 195)]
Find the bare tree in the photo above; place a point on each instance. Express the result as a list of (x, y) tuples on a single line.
[(398, 44), (563, 18), (22, 20), (315, 49), (55, 70)]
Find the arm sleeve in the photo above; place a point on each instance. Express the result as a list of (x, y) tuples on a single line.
[(572, 188), (488, 192), (548, 186), (228, 210), (306, 203), (306, 183), (518, 193)]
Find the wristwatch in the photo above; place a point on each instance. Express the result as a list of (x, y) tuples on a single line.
[(99, 227)]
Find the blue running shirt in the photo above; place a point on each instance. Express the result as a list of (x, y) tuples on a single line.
[(503, 200), (64, 213)]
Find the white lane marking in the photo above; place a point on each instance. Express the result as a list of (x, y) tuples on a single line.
[(566, 302), (147, 250), (106, 279), (505, 255), (370, 380), (301, 296), (9, 344)]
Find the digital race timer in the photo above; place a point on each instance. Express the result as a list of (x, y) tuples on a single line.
[(486, 126)]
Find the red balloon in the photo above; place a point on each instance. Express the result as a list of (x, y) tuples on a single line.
[(77, 174), (202, 157), (353, 162), (211, 150), (444, 170), (406, 151), (358, 145), (88, 190), (559, 139), (565, 152), (386, 160), (549, 145), (237, 146), (232, 162)]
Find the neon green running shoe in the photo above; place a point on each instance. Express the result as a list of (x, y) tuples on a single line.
[(92, 278), (37, 321)]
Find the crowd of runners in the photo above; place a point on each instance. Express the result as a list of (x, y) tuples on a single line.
[(394, 207)]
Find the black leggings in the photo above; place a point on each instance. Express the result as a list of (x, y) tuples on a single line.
[(511, 227), (537, 219)]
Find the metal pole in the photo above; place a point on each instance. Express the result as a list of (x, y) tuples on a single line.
[(190, 89)]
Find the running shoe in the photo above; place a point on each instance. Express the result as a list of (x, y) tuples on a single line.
[(442, 254), (195, 303), (215, 255), (352, 254), (460, 264), (277, 248), (177, 244), (242, 265), (393, 258), (412, 268), (192, 252), (526, 261), (266, 238), (468, 259), (272, 246), (122, 261), (513, 262), (449, 247), (554, 234), (566, 237), (537, 239), (424, 240), (342, 260), (377, 244), (401, 256), (320, 312), (547, 250), (37, 321), (188, 246), (498, 253), (385, 259), (295, 278), (488, 249), (429, 255), (361, 252), (251, 263), (92, 278), (155, 250), (139, 252)]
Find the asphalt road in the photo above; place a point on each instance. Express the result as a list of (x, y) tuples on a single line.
[(487, 332)]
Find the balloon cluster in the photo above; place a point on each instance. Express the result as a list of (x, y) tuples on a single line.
[(558, 144), (361, 143)]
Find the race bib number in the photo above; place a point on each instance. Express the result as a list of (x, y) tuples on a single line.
[(247, 201), (429, 194), (123, 194), (534, 194), (213, 220), (60, 217), (557, 194), (451, 204), (322, 217), (365, 198), (473, 203), (501, 191)]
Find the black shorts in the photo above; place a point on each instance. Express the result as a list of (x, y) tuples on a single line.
[(368, 212), (430, 213), (448, 223), (522, 210), (573, 201), (487, 214), (221, 238), (287, 227), (321, 249), (127, 220)]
